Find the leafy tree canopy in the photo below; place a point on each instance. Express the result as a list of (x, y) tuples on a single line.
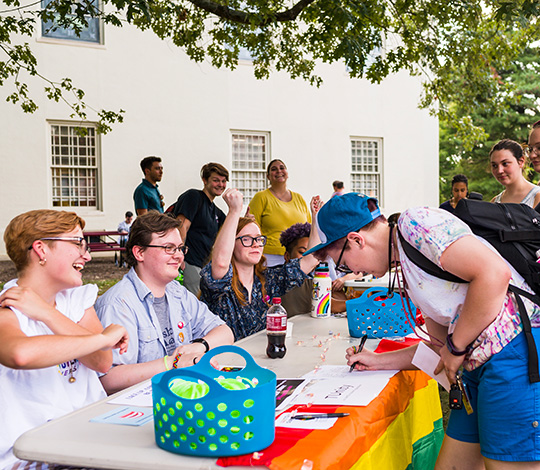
[(440, 39)]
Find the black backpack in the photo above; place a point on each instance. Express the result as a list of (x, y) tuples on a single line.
[(514, 231)]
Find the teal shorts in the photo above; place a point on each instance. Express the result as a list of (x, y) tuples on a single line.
[(506, 417)]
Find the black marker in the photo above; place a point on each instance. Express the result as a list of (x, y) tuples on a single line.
[(358, 349), (321, 415)]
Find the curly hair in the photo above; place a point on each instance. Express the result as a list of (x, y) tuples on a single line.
[(290, 236)]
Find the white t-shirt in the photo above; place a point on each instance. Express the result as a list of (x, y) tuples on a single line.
[(29, 398)]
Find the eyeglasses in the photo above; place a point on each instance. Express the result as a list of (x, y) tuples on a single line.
[(530, 150), (248, 241), (170, 249), (343, 268), (79, 241)]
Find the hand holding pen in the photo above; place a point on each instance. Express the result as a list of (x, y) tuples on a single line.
[(358, 349)]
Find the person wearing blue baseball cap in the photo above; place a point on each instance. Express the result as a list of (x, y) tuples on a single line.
[(474, 324)]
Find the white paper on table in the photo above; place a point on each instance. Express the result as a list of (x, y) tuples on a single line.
[(285, 420), (344, 372), (140, 396), (286, 391), (427, 360), (330, 385)]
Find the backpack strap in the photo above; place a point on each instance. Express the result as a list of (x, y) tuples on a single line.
[(534, 375), (431, 268), (426, 264), (519, 236)]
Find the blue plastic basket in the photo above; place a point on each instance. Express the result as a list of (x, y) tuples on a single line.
[(377, 315), (221, 423)]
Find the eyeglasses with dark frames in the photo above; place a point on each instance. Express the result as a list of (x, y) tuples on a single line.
[(170, 249), (79, 241), (343, 268), (248, 241)]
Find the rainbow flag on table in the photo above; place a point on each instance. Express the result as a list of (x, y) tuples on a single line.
[(408, 437)]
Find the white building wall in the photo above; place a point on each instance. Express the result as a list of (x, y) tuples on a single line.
[(184, 112)]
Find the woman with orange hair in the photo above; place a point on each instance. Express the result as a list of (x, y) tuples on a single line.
[(236, 284), (52, 344)]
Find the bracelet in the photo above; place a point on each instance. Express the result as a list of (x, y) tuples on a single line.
[(166, 363), (176, 359), (203, 341), (452, 348)]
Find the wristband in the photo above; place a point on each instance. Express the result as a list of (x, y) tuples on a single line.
[(165, 361), (203, 341), (452, 348), (176, 359)]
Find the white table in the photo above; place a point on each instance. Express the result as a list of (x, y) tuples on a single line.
[(410, 399), (74, 440), (367, 282)]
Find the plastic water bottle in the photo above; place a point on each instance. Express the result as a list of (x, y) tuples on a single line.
[(276, 329), (322, 292), (180, 277)]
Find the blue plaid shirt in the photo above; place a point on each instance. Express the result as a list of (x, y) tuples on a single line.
[(246, 320)]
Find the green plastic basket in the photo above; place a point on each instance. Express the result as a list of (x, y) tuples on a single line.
[(221, 423)]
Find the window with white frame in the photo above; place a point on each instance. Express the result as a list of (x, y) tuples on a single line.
[(90, 33), (250, 152), (74, 165), (366, 164)]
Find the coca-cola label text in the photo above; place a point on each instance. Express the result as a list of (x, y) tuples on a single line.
[(276, 323)]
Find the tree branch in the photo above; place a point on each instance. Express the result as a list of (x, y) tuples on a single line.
[(242, 17)]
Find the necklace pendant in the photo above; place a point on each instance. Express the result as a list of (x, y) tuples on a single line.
[(72, 380)]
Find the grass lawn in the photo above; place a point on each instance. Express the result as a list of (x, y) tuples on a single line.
[(103, 285)]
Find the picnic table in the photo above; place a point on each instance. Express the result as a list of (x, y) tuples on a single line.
[(107, 241)]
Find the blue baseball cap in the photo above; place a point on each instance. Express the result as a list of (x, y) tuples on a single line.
[(342, 215)]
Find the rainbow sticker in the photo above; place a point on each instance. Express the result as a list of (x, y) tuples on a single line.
[(323, 307)]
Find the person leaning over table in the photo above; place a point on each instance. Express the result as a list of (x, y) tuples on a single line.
[(299, 300), (236, 284), (474, 324), (276, 209), (51, 341), (168, 326)]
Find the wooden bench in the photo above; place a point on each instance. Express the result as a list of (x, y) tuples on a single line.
[(106, 241)]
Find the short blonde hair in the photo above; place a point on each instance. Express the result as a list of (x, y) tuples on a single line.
[(26, 228)]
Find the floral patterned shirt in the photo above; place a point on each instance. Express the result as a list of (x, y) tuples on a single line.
[(432, 231), (248, 319)]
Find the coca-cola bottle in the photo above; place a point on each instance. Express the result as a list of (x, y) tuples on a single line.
[(276, 329)]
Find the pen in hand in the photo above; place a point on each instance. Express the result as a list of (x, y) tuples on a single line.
[(358, 349)]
